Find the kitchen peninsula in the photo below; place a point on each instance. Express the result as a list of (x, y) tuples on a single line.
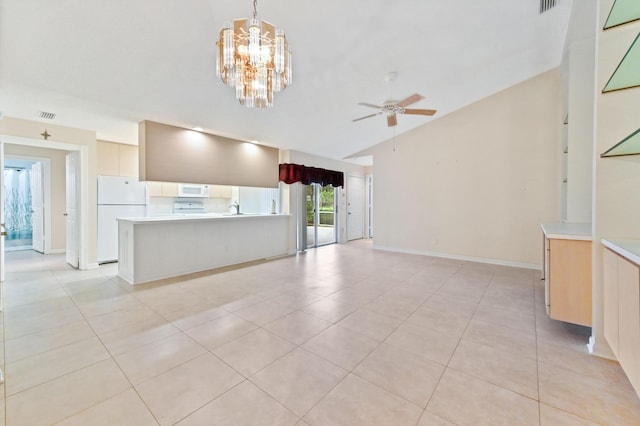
[(154, 248)]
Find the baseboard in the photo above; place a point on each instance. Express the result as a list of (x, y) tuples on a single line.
[(499, 262), (596, 350), (92, 265), (55, 251)]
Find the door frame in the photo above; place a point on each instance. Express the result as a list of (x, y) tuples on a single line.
[(83, 202), (46, 186)]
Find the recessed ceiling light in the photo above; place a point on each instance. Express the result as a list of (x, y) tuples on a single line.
[(197, 129)]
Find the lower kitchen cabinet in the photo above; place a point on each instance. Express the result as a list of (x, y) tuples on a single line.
[(622, 312)]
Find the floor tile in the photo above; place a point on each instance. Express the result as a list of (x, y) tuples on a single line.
[(192, 316), (371, 324), (136, 335), (298, 327), (590, 398), (254, 351), (213, 334), (426, 342), (43, 341), (264, 312), (502, 338), (66, 396), (341, 346), (125, 408), (299, 380), (498, 367), (450, 322), (394, 306), (179, 392), (357, 402), (28, 372), (243, 405), (403, 373), (465, 400), (122, 318), (550, 416), (430, 419), (330, 310), (154, 358)]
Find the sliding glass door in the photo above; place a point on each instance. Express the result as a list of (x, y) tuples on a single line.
[(321, 215)]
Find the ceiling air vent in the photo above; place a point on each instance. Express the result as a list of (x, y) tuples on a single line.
[(46, 115), (546, 5)]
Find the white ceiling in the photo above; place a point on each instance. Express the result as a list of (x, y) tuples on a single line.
[(106, 65)]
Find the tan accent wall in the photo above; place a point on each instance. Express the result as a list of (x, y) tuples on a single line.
[(32, 130), (173, 154), (477, 182), (58, 188)]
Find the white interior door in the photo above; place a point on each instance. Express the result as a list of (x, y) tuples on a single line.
[(355, 207), (37, 207), (71, 213)]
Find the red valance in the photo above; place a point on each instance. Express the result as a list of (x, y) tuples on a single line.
[(291, 173)]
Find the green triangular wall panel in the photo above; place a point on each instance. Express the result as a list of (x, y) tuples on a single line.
[(623, 11), (627, 146), (627, 74)]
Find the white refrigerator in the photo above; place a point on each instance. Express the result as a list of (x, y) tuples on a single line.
[(117, 197)]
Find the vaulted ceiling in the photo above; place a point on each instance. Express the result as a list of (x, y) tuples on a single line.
[(106, 65)]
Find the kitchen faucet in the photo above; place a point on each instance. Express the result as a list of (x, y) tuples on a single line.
[(237, 206)]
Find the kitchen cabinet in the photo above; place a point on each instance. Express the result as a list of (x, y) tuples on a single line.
[(622, 308), (221, 191), (567, 272), (116, 159)]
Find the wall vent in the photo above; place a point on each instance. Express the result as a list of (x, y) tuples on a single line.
[(46, 115), (546, 5)]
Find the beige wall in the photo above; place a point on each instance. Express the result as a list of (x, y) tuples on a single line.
[(58, 188), (173, 154), (617, 179), (31, 130), (477, 182)]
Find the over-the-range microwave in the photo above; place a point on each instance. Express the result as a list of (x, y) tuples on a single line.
[(193, 190)]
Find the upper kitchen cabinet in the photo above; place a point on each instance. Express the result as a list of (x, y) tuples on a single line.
[(174, 154), (116, 159)]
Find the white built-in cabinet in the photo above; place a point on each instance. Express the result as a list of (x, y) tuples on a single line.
[(622, 312)]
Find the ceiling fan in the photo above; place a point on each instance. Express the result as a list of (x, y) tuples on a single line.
[(391, 108)]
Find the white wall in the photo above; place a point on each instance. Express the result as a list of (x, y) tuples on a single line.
[(475, 183)]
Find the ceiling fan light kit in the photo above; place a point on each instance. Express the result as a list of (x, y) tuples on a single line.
[(254, 58)]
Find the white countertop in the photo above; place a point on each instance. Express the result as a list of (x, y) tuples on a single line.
[(567, 231), (196, 217), (629, 249)]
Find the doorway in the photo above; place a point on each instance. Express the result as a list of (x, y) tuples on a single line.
[(321, 215), (18, 204), (355, 207), (81, 238)]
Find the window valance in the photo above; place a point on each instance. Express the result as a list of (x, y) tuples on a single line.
[(291, 173)]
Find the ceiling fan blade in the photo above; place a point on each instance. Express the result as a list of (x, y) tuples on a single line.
[(411, 100), (367, 116), (420, 111), (369, 105), (392, 120)]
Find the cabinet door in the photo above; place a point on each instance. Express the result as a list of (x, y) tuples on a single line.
[(570, 281), (629, 320), (154, 189), (610, 270), (107, 158), (128, 160), (169, 189)]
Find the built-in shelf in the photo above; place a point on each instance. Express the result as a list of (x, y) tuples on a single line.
[(622, 12), (627, 146), (626, 74)]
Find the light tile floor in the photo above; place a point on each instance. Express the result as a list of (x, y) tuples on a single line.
[(340, 335)]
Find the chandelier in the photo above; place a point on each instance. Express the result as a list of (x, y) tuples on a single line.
[(254, 57)]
